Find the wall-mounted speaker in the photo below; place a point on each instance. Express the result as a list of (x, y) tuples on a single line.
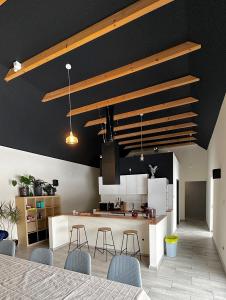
[(55, 182), (216, 173)]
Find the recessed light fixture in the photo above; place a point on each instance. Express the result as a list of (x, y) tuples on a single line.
[(16, 66)]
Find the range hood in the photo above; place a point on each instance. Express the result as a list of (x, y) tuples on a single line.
[(110, 153)]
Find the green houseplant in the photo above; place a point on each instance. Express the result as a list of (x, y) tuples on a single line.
[(9, 217), (24, 182), (37, 186), (49, 189), (12, 216)]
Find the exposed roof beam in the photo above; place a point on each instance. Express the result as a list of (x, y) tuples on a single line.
[(136, 66), (167, 146), (173, 141), (122, 17), (153, 121), (136, 94), (150, 109), (2, 2), (155, 130), (159, 137)]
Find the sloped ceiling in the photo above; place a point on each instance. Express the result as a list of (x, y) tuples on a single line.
[(29, 27)]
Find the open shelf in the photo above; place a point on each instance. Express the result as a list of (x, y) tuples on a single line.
[(36, 230)]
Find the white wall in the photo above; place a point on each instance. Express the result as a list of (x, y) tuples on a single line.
[(176, 176), (192, 167), (216, 189), (78, 184)]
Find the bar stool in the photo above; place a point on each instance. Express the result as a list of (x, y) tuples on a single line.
[(105, 249), (127, 234), (78, 243)]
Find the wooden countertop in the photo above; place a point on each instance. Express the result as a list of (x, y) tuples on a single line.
[(153, 221)]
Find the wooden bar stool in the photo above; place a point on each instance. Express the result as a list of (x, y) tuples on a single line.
[(133, 234), (105, 249), (78, 243)]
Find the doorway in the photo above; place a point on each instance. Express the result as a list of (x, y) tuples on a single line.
[(195, 200)]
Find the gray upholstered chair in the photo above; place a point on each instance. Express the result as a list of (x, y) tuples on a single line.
[(7, 247), (42, 256), (125, 269), (78, 261)]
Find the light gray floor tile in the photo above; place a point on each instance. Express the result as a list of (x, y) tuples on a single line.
[(195, 274)]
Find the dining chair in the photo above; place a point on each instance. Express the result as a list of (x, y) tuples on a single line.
[(78, 261), (42, 256), (125, 269), (7, 247)]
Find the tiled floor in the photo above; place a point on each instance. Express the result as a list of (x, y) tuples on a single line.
[(195, 274)]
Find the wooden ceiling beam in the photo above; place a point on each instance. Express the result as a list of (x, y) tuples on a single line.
[(2, 2), (146, 110), (119, 19), (173, 145), (135, 94), (172, 141), (136, 66), (159, 137), (155, 130), (153, 122)]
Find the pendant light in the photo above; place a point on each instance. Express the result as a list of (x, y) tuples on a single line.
[(71, 139), (141, 138)]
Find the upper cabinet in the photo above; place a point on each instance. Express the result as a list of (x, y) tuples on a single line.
[(129, 185), (142, 184)]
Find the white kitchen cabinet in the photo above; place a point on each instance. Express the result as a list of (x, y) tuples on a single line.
[(131, 184), (122, 186), (105, 189), (142, 184), (157, 195)]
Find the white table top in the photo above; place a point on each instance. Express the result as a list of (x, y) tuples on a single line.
[(21, 280)]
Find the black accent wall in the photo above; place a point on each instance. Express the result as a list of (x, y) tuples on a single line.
[(29, 27), (164, 161)]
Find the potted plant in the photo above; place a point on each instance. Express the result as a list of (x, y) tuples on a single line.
[(24, 183), (38, 186), (49, 189), (12, 216), (2, 215)]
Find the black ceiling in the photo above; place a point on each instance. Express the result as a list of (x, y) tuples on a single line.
[(29, 27)]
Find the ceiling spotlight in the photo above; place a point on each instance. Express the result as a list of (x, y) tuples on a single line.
[(156, 149), (101, 156), (16, 66), (142, 157)]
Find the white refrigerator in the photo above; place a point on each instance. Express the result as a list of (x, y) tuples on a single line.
[(157, 195)]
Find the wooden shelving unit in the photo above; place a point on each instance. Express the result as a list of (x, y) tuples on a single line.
[(34, 212)]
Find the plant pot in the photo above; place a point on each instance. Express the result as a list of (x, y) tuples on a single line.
[(38, 190), (24, 191), (51, 192)]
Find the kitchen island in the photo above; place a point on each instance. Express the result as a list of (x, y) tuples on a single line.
[(151, 232)]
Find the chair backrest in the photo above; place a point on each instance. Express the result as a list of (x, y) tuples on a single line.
[(42, 256), (78, 261), (125, 269), (7, 247)]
